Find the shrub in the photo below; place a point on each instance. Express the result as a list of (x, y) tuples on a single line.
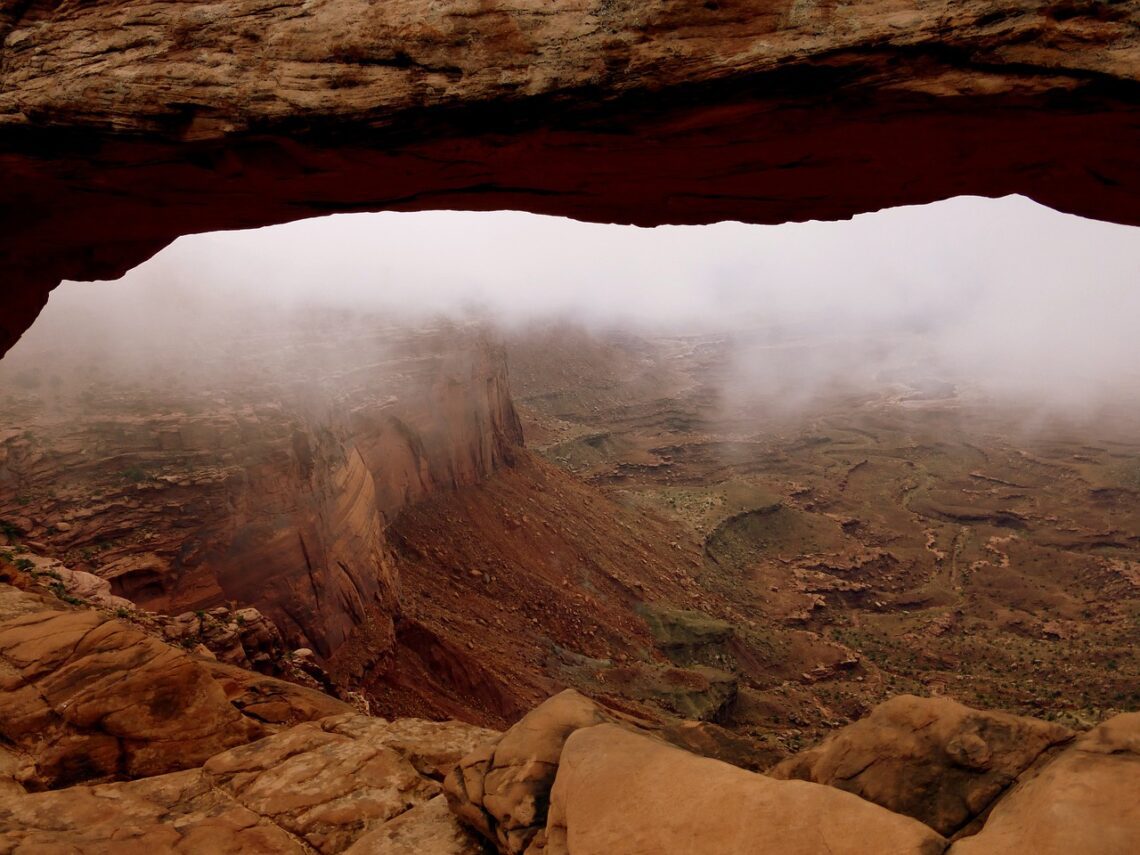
[(134, 474)]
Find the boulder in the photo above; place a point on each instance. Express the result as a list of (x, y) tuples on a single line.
[(929, 758), (77, 583), (1085, 802), (502, 789), (619, 791)]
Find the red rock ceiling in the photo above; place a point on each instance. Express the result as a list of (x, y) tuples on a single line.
[(126, 123)]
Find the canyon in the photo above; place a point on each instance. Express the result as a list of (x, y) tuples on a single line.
[(365, 555), (192, 497)]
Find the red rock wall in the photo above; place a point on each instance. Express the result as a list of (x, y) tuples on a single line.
[(456, 432), (272, 505)]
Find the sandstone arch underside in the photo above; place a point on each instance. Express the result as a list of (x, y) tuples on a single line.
[(126, 123)]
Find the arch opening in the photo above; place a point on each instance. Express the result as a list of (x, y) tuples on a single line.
[(912, 423)]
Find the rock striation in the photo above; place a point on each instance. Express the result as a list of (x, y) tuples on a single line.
[(185, 502), (113, 741), (128, 123), (337, 785), (184, 514)]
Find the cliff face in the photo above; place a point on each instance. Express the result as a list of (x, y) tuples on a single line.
[(126, 123), (184, 502), (455, 430), (188, 512)]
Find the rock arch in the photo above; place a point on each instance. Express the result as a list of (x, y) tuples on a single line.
[(126, 123)]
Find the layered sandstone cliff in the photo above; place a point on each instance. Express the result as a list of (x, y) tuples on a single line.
[(185, 501)]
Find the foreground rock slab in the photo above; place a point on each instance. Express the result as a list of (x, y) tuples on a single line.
[(179, 812), (1085, 802), (324, 787), (85, 697), (929, 758), (618, 791), (88, 697), (622, 794)]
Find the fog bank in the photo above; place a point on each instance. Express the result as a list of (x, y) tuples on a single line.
[(1005, 295)]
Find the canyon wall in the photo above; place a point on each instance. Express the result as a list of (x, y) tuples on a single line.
[(454, 430), (124, 124), (188, 512), (186, 501)]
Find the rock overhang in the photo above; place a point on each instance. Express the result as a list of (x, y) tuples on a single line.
[(125, 125)]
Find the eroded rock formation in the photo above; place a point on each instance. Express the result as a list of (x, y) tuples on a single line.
[(1081, 802), (125, 124), (929, 758), (337, 785), (185, 501), (112, 723), (503, 789), (620, 791), (572, 775), (86, 697)]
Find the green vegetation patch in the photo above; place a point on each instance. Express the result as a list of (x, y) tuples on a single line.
[(134, 474), (682, 634)]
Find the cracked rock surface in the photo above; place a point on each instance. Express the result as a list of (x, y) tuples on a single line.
[(1082, 803), (502, 789), (342, 784), (85, 697)]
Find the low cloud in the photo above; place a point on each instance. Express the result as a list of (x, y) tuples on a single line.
[(1005, 296)]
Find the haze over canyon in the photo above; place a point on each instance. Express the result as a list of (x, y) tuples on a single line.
[(453, 533)]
